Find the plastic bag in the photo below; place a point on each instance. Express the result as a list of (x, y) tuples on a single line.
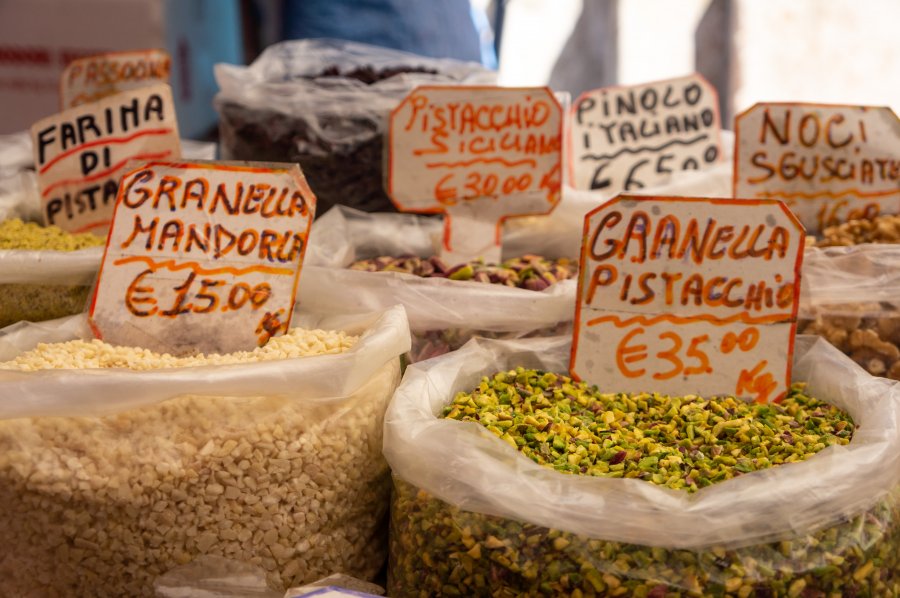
[(443, 313), (851, 297), (281, 109), (214, 577), (218, 577), (109, 478), (472, 516), (39, 285)]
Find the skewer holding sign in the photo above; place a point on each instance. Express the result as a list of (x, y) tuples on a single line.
[(688, 295), (828, 163), (478, 155)]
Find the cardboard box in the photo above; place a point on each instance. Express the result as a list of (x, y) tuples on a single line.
[(39, 37)]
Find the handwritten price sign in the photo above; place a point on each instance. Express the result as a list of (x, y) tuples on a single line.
[(81, 153), (203, 256), (478, 155), (95, 77), (828, 163), (626, 138), (688, 295)]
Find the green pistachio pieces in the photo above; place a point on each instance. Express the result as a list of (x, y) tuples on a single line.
[(438, 549), (679, 442)]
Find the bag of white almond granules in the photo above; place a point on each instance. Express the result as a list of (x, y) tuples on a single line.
[(473, 516), (444, 312), (851, 297), (110, 476)]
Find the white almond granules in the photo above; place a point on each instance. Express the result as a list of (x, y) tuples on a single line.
[(101, 506), (83, 354)]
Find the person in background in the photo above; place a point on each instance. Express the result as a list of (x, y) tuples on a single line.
[(435, 28)]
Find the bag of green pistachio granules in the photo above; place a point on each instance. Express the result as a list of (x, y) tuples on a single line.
[(796, 499)]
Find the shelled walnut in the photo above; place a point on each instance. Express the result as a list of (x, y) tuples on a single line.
[(868, 332)]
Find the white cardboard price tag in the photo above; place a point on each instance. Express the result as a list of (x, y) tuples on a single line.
[(478, 155), (625, 138), (203, 256), (80, 153), (688, 295), (828, 163), (92, 78)]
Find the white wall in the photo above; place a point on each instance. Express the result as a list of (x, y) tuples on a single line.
[(834, 51)]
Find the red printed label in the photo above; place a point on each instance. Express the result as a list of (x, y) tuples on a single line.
[(688, 295), (631, 137), (829, 164), (203, 256), (478, 155), (81, 153), (92, 78)]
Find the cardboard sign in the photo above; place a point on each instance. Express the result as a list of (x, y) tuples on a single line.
[(829, 164), (80, 153), (93, 78), (478, 155), (203, 256), (627, 138), (684, 295)]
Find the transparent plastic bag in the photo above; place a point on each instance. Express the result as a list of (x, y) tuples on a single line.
[(471, 516), (214, 577), (109, 478), (281, 108), (443, 313), (39, 285), (851, 297)]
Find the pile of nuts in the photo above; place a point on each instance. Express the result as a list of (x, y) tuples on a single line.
[(16, 234), (681, 442), (37, 302), (881, 229), (441, 550), (531, 272), (868, 333), (104, 505), (678, 442)]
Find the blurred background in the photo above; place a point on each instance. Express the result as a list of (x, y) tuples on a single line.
[(836, 51)]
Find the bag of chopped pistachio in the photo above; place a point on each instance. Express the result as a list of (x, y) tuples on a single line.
[(45, 272), (851, 297), (118, 464), (547, 487), (360, 262)]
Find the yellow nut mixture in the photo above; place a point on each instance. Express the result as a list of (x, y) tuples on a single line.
[(16, 234)]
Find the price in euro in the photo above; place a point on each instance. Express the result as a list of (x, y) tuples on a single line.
[(149, 296)]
